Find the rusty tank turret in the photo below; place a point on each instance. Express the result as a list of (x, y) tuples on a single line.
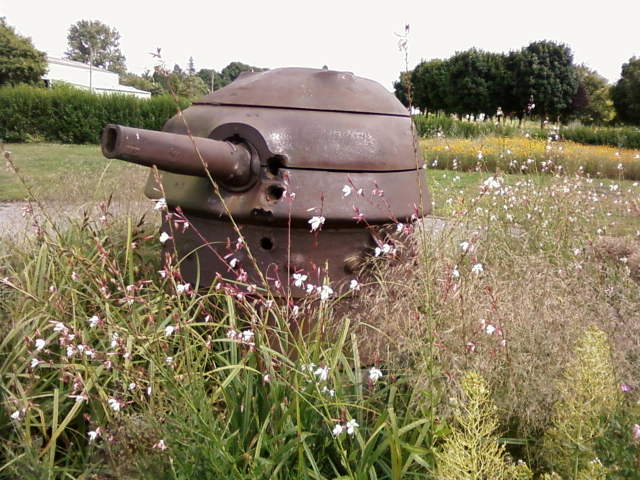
[(283, 146)]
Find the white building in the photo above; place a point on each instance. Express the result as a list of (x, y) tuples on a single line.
[(81, 75)]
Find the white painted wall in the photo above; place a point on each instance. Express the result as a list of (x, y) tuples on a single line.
[(81, 75)]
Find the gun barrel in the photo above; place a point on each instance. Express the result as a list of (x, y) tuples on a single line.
[(225, 161)]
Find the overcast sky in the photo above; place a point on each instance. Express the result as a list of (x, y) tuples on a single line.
[(356, 36)]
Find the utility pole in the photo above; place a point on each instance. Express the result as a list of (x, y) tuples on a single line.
[(90, 69)]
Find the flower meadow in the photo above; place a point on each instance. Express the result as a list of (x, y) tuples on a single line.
[(524, 154), (498, 341)]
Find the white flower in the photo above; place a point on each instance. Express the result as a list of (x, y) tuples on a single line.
[(325, 292), (114, 339), (399, 227), (169, 329), (93, 321), (114, 404), (351, 426), (160, 445), (316, 223), (299, 279), (161, 204), (168, 361), (464, 246), (383, 250), (40, 343), (354, 284), (18, 414), (331, 392), (182, 288), (480, 156), (492, 182), (132, 386), (322, 373), (477, 269), (93, 434), (577, 251), (247, 336), (489, 329), (375, 374), (164, 236), (308, 367), (346, 191), (59, 327), (71, 351), (337, 430), (233, 263), (455, 273), (233, 334), (34, 362), (310, 288)]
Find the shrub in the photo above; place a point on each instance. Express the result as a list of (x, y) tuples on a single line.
[(472, 450), (589, 396), (443, 125), (69, 115)]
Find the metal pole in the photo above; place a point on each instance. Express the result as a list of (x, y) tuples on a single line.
[(90, 70)]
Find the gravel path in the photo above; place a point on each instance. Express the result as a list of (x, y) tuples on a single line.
[(16, 224)]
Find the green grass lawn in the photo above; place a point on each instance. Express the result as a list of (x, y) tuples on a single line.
[(73, 173), (79, 174)]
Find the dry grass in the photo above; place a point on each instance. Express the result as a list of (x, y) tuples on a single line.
[(545, 278)]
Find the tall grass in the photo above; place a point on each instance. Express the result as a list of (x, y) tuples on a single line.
[(111, 365)]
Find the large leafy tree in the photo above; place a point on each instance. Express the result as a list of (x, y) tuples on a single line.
[(227, 75), (475, 80), (545, 71), (626, 93), (592, 103), (403, 89), (20, 62), (429, 80), (93, 41)]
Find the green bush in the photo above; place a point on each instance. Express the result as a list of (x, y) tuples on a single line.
[(69, 115), (444, 125)]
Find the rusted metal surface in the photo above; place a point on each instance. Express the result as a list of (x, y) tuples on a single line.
[(308, 89), (285, 145), (225, 161)]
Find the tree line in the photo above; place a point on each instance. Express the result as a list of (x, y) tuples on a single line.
[(539, 80), (98, 44)]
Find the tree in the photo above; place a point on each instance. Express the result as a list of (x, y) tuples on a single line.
[(401, 88), (626, 93), (475, 80), (429, 81), (141, 82), (592, 102), (96, 43), (545, 71), (232, 71), (206, 75), (191, 69), (20, 62)]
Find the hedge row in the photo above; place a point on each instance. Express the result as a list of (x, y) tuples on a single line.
[(434, 125), (70, 115)]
